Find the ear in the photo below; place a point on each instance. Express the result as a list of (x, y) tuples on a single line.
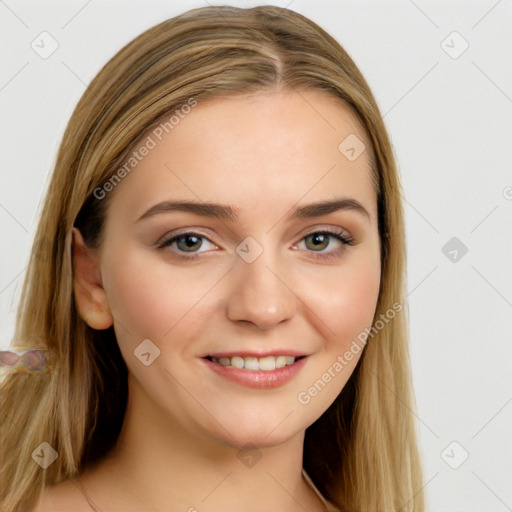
[(90, 296)]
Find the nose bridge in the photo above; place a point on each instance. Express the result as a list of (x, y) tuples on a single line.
[(259, 294)]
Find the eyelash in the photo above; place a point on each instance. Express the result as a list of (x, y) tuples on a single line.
[(340, 236)]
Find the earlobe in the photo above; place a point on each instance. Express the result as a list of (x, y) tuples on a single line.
[(90, 296)]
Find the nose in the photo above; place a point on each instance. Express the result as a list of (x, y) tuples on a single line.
[(259, 294)]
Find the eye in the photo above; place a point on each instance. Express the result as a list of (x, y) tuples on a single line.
[(319, 241), (187, 245), (188, 242)]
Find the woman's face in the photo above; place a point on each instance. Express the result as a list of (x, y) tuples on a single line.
[(215, 250)]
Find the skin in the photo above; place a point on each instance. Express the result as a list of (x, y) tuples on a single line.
[(265, 155)]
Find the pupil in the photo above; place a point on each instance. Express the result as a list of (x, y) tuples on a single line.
[(319, 239), (191, 242)]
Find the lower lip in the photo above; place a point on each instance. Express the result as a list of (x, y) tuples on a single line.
[(258, 379)]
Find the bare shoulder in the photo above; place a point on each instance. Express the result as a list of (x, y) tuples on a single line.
[(63, 497)]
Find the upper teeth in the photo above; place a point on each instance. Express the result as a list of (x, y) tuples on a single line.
[(255, 363)]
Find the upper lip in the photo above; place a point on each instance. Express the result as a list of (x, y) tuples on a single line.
[(258, 353)]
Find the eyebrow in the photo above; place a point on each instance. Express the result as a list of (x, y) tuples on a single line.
[(231, 213)]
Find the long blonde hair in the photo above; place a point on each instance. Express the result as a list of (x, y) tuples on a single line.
[(362, 452)]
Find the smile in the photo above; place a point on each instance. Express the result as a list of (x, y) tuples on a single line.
[(267, 372), (267, 363)]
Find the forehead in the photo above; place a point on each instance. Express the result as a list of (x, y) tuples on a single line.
[(254, 150)]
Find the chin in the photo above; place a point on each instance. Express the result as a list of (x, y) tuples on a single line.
[(257, 432)]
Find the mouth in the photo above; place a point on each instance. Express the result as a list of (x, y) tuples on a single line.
[(259, 372), (251, 363)]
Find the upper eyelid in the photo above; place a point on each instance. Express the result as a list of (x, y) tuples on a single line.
[(328, 229), (186, 231)]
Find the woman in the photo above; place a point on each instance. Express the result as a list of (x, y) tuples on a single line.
[(222, 305)]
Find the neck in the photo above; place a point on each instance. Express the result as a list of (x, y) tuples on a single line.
[(157, 461)]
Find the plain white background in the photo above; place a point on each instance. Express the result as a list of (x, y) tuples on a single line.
[(448, 109)]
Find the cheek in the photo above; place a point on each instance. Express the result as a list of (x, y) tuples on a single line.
[(344, 306), (347, 302), (146, 299)]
